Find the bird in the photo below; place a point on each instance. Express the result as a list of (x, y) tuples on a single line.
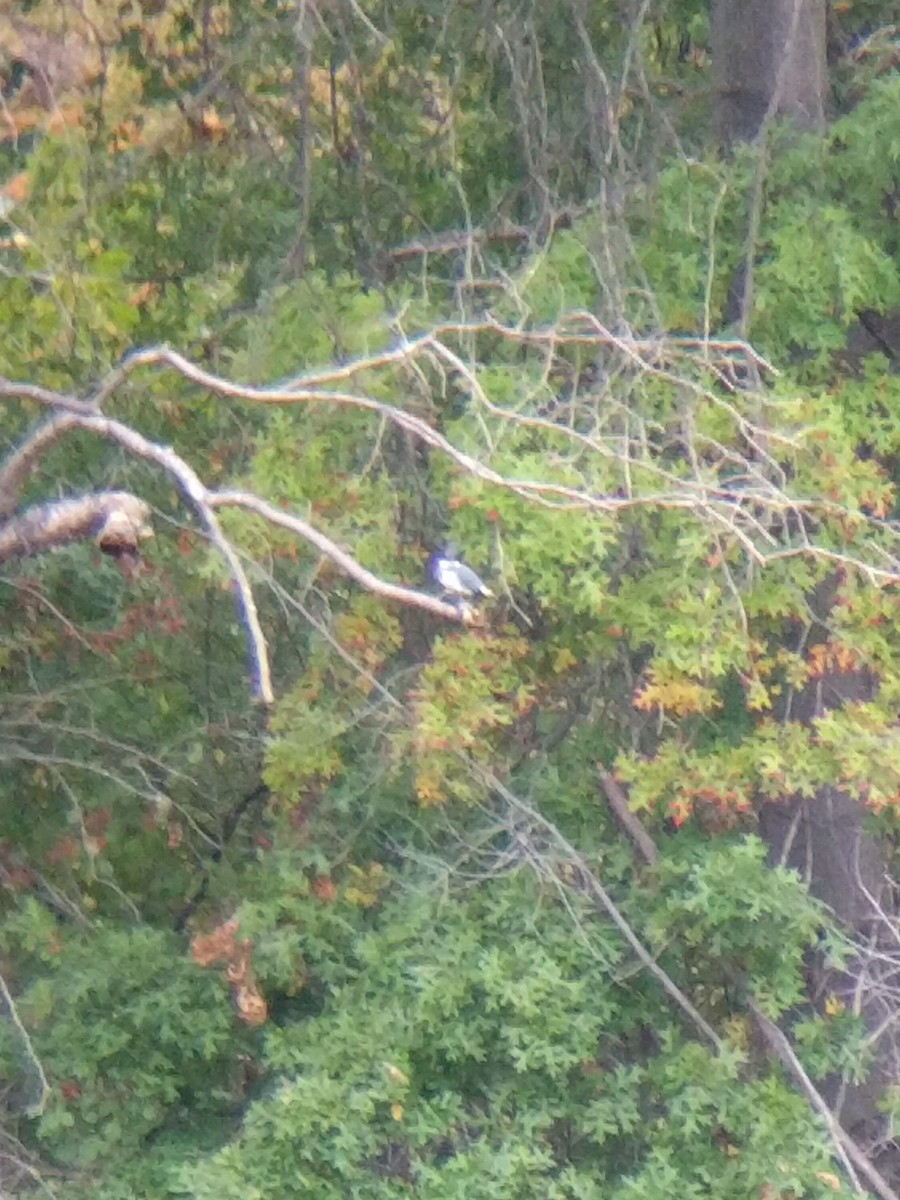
[(454, 578)]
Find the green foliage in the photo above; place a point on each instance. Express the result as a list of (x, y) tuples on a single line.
[(478, 1047), (746, 914), (128, 1050), (440, 1005)]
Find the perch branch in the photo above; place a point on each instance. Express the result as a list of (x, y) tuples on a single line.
[(346, 562), (47, 526)]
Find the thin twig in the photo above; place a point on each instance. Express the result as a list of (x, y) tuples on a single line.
[(36, 1107), (19, 465)]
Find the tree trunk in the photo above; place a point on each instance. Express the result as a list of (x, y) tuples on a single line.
[(768, 61), (826, 840)]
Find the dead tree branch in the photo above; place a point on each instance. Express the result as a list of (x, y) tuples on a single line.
[(747, 513), (19, 465), (119, 520), (846, 1149), (618, 802), (734, 510), (591, 886), (346, 562), (113, 532)]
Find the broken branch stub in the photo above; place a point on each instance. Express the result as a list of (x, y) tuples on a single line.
[(118, 522)]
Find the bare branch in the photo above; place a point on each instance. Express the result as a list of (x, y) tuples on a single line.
[(846, 1149), (28, 391), (197, 496), (454, 242), (746, 512), (110, 517), (118, 519), (721, 505), (346, 562), (22, 461), (204, 502), (39, 1103), (594, 889), (618, 802)]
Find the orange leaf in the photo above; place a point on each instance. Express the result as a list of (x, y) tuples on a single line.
[(207, 949), (325, 889), (829, 1180), (17, 188), (251, 1005)]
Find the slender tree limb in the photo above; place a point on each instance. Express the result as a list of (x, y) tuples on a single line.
[(195, 493), (110, 516), (503, 231), (846, 1149), (51, 525), (721, 505), (36, 1106), (204, 502), (452, 243), (346, 562), (19, 465), (18, 751), (734, 511), (50, 399), (592, 887), (554, 495)]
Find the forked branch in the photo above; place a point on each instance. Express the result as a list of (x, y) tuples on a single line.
[(120, 520)]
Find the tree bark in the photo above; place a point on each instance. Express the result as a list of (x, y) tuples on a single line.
[(827, 840), (769, 60)]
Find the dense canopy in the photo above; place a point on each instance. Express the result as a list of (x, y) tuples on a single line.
[(324, 875)]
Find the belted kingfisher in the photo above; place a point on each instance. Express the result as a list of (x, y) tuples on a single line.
[(454, 577)]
